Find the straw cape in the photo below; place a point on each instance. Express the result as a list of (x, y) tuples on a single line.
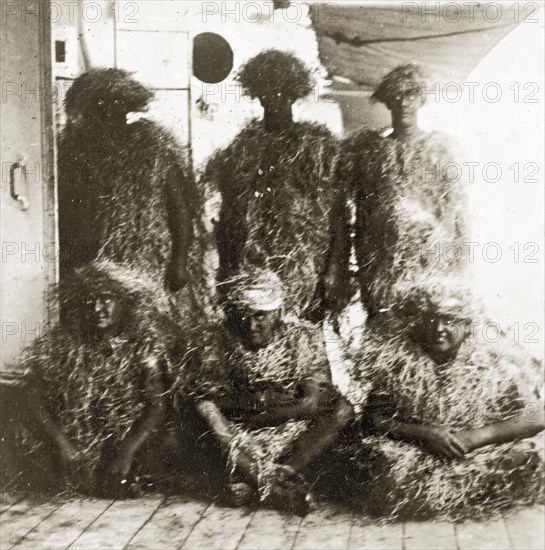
[(94, 387), (276, 203), (410, 209), (113, 179), (486, 382), (275, 186), (227, 369)]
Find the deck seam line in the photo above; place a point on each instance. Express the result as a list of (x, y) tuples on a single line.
[(511, 542), (297, 534), (13, 504), (456, 536), (352, 519), (348, 532), (161, 502), (245, 529), (206, 508), (89, 525), (20, 539)]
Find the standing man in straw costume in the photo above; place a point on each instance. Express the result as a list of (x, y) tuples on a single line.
[(263, 388), (126, 193), (411, 211), (274, 182)]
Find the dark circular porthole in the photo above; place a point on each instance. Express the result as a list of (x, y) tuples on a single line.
[(212, 57)]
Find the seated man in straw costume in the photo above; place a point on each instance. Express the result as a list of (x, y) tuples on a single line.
[(263, 388), (96, 380), (453, 418)]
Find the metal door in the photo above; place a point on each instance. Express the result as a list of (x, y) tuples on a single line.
[(29, 246)]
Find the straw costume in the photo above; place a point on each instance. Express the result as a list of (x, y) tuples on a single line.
[(229, 371), (96, 386), (126, 193), (484, 383), (296, 353), (410, 207), (274, 183)]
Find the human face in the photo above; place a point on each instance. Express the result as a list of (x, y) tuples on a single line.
[(442, 335), (258, 327), (106, 311), (405, 111)]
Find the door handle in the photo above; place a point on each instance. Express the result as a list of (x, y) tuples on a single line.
[(21, 199)]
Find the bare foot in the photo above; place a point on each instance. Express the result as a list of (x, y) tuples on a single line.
[(240, 493), (290, 495)]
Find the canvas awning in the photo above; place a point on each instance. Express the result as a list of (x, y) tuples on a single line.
[(360, 43)]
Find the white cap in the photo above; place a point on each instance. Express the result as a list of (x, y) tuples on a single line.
[(259, 291)]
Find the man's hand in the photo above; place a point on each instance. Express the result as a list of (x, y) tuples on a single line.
[(527, 423), (443, 441), (273, 397)]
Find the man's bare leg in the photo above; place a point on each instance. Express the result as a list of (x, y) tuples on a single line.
[(289, 491), (243, 489), (319, 437)]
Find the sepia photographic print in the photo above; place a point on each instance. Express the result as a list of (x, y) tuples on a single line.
[(272, 274)]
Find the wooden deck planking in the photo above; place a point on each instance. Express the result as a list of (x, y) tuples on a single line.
[(429, 536), (7, 500), (118, 524), (170, 525), (326, 529), (367, 535), (269, 530), (23, 517), (64, 525), (526, 528), (179, 522), (219, 529), (483, 535)]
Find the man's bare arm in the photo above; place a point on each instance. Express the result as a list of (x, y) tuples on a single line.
[(180, 223), (216, 421), (527, 423), (211, 413), (335, 283), (40, 416), (143, 427), (441, 440), (308, 406)]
